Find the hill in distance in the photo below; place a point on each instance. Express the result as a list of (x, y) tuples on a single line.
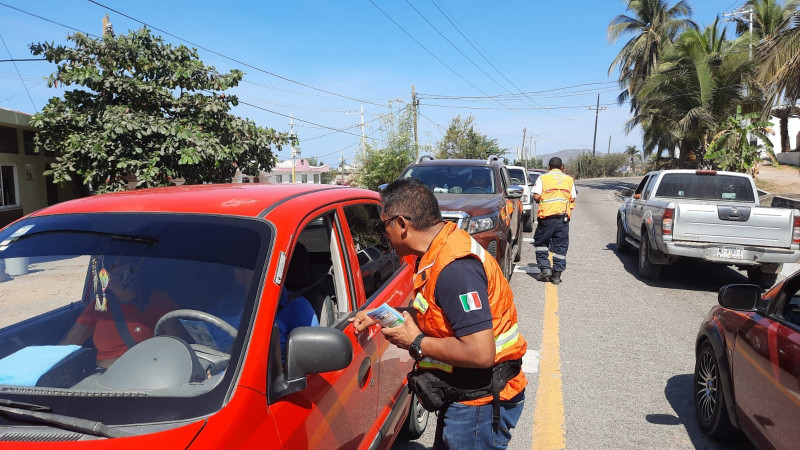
[(565, 155)]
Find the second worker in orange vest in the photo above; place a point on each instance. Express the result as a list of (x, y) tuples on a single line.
[(464, 322), (555, 193)]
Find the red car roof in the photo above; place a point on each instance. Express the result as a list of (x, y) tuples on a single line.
[(228, 199)]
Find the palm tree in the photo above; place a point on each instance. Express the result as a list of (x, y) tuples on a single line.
[(654, 25), (768, 16), (697, 86), (633, 154)]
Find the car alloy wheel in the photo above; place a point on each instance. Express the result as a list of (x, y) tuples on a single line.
[(707, 386)]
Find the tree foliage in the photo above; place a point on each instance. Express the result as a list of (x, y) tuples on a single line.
[(587, 166), (145, 108), (731, 149), (463, 141), (383, 163)]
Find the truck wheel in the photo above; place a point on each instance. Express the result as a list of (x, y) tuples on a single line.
[(518, 245), (507, 265), (763, 279), (709, 399), (623, 246), (528, 224), (647, 270), (416, 421)]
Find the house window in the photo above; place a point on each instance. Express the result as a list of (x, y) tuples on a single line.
[(280, 178), (304, 178), (8, 186), (316, 178), (8, 140), (27, 142)]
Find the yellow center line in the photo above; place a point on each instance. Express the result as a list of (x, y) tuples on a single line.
[(548, 417)]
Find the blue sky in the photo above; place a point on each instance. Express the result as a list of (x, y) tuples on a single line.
[(351, 48)]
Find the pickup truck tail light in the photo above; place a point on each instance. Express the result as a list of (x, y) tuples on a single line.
[(796, 233), (666, 221)]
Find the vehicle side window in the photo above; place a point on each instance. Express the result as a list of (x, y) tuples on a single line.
[(377, 260), (649, 188), (313, 288), (791, 311), (640, 188)]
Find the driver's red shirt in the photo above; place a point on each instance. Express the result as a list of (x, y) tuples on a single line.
[(140, 323)]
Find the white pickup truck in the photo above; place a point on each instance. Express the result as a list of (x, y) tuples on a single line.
[(706, 215)]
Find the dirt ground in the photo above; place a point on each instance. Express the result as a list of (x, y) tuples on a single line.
[(779, 180)]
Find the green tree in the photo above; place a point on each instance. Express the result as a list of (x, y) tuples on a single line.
[(654, 24), (768, 17), (463, 141), (533, 163), (587, 166), (147, 109), (731, 148), (634, 155), (384, 163), (698, 84)]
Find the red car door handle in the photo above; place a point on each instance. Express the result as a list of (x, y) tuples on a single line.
[(364, 372)]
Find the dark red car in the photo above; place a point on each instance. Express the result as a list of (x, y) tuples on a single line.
[(747, 373)]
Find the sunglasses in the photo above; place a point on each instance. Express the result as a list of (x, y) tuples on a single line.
[(381, 226)]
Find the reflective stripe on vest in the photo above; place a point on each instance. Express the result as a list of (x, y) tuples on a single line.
[(420, 304), (428, 363), (507, 339)]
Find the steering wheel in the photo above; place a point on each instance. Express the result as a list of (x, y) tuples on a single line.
[(193, 314), (473, 188)]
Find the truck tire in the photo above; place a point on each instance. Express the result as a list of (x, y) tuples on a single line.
[(528, 223), (763, 279), (518, 245), (623, 246), (647, 270), (506, 265), (416, 421)]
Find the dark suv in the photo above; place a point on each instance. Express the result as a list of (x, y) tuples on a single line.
[(478, 196)]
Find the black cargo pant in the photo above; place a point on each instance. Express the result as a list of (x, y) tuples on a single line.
[(552, 234)]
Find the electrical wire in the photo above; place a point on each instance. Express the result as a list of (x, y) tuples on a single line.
[(21, 80), (47, 20), (429, 52), (237, 61)]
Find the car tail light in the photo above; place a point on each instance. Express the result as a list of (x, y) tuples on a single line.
[(706, 172), (796, 233), (666, 221)]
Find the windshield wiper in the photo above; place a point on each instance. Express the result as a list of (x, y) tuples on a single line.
[(65, 422), (28, 406)]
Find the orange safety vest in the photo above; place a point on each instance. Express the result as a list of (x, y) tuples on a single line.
[(556, 194), (451, 244)]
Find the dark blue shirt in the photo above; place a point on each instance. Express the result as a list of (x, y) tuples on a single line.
[(462, 291)]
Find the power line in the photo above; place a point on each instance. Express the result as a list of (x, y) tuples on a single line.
[(21, 80), (489, 108), (47, 20), (483, 56), (16, 60), (459, 50), (237, 61), (429, 52)]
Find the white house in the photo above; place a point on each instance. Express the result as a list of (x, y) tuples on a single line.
[(791, 157), (282, 173)]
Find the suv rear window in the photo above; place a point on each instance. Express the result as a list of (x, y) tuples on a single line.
[(455, 179), (517, 176), (706, 187)]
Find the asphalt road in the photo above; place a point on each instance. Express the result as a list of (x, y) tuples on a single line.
[(614, 368)]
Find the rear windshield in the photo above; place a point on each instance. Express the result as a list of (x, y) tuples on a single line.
[(517, 176), (706, 187)]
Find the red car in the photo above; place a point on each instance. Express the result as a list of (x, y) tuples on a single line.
[(747, 373), (201, 317)]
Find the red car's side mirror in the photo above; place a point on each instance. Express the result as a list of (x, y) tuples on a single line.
[(739, 297)]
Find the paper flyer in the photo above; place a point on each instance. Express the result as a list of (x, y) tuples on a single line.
[(386, 316)]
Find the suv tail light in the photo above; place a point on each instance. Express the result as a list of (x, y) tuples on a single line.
[(796, 233), (666, 221)]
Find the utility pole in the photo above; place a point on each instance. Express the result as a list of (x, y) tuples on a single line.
[(596, 116), (609, 144), (522, 149), (295, 150), (363, 133), (415, 105), (535, 156), (742, 12), (530, 146)]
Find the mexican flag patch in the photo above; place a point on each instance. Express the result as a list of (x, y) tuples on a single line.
[(470, 301)]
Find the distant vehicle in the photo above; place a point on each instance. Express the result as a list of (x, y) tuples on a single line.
[(519, 176), (479, 197), (747, 369), (710, 216), (206, 269)]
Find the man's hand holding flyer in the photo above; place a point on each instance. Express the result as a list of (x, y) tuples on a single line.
[(386, 316)]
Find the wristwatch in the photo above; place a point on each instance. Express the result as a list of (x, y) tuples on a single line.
[(415, 349)]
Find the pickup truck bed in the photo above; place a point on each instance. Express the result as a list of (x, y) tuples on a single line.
[(707, 216)]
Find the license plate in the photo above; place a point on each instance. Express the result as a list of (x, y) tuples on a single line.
[(730, 252)]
